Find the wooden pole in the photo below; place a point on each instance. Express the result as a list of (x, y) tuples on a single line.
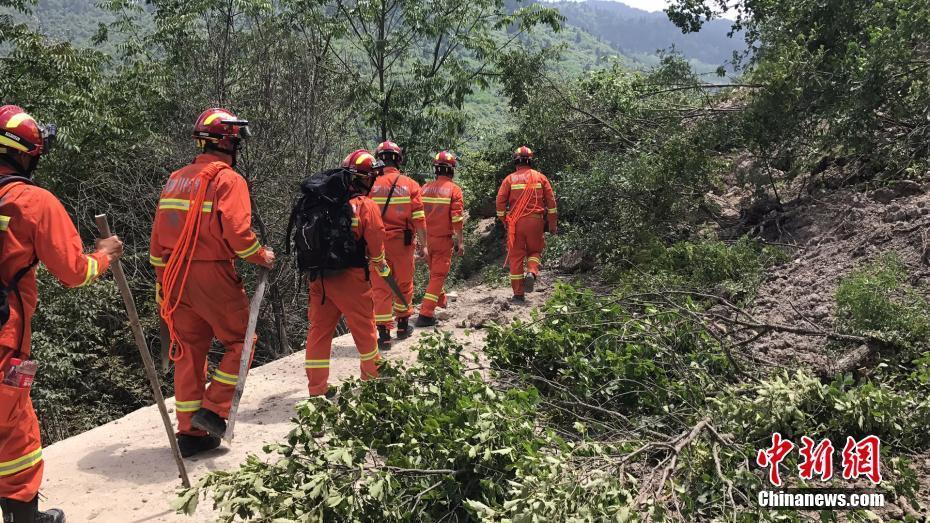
[(104, 227), (246, 360)]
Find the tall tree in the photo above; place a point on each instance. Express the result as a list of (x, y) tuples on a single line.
[(412, 63)]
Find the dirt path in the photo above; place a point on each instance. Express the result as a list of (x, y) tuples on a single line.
[(123, 471)]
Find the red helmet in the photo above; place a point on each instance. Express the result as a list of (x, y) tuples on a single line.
[(445, 159), (362, 161), (21, 139), (523, 154), (389, 147), (220, 129)]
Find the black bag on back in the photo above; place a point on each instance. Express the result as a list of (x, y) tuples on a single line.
[(321, 222), (13, 285)]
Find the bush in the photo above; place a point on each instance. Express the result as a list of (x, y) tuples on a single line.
[(89, 368), (733, 270), (877, 301), (584, 349), (425, 444), (800, 405)]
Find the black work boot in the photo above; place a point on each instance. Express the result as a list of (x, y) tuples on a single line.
[(28, 512), (529, 282), (425, 321), (384, 338), (404, 329), (205, 419), (518, 298), (191, 445), (52, 515)]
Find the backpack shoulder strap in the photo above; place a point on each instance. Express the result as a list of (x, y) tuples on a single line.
[(391, 193)]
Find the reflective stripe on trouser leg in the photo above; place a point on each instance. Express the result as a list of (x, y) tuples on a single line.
[(528, 242), (533, 263), (323, 316), (215, 306), (190, 378), (21, 464), (534, 231), (383, 296), (348, 294), (356, 304), (403, 266), (440, 262)]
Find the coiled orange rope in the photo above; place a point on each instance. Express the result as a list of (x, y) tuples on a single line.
[(519, 209), (178, 267)]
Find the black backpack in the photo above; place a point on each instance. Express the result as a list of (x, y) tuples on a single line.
[(13, 285), (321, 222)]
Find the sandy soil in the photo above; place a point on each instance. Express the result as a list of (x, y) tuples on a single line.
[(123, 471)]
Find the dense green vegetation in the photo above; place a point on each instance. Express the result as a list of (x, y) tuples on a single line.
[(620, 406), (638, 402)]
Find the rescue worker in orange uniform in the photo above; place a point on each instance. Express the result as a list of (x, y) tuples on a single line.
[(526, 205), (34, 227), (402, 213), (348, 292), (201, 296), (445, 207)]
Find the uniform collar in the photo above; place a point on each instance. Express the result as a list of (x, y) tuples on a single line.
[(443, 177), (522, 167), (389, 171), (208, 157)]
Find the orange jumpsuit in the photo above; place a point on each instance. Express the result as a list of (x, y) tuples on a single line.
[(347, 293), (405, 212), (528, 228), (213, 301), (33, 225), (444, 206)]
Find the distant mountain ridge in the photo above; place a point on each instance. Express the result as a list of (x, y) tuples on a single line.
[(636, 33)]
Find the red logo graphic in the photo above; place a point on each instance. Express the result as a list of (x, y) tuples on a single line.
[(773, 456), (859, 458), (816, 460)]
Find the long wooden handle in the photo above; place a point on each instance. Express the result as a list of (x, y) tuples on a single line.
[(104, 227), (247, 347)]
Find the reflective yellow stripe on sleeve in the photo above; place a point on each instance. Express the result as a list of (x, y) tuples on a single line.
[(456, 219), (379, 258), (8, 468), (91, 271), (245, 253), (416, 215), (500, 214), (156, 261), (553, 210), (4, 223)]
